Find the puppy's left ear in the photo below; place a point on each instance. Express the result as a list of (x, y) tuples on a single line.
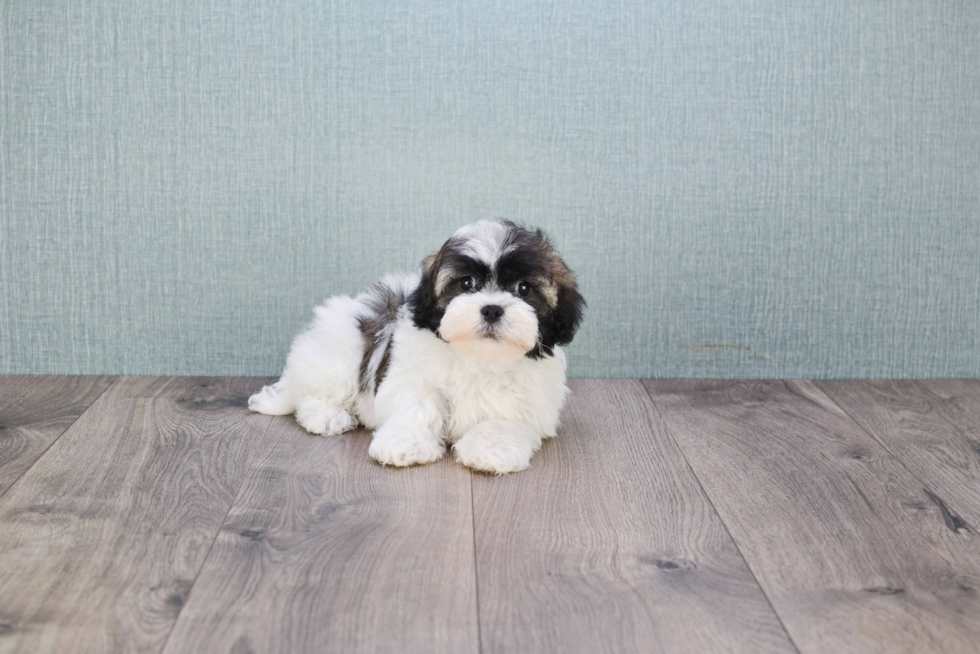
[(423, 301), (567, 315)]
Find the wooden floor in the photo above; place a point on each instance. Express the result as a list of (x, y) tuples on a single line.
[(158, 514)]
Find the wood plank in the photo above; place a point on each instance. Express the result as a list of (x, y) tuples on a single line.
[(326, 551), (104, 535), (608, 544), (853, 552), (933, 427), (34, 411)]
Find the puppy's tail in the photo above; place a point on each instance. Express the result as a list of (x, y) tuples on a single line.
[(272, 400)]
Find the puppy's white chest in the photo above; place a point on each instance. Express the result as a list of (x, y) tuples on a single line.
[(474, 398)]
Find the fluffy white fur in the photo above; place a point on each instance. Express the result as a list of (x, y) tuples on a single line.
[(517, 331), (461, 386)]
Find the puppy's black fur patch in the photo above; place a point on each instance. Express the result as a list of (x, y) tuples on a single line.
[(377, 327)]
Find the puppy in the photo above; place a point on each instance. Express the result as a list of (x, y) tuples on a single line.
[(465, 353)]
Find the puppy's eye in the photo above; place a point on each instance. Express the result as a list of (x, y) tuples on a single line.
[(523, 288), (466, 283)]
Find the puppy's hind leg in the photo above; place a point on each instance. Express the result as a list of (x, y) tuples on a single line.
[(318, 417), (272, 400), (320, 380), (315, 416)]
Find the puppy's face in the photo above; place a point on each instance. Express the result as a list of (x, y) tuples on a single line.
[(497, 292)]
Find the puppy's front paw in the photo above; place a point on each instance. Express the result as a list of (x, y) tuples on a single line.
[(393, 448), (497, 447)]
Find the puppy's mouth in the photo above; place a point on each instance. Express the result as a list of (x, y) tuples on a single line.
[(490, 335)]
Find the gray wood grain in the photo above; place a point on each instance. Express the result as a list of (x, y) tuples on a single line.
[(102, 538), (608, 544), (326, 551), (34, 411), (853, 552), (931, 426)]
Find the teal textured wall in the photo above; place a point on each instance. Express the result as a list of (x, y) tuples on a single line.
[(777, 188)]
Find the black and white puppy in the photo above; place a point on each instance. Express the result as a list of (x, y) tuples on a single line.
[(465, 353)]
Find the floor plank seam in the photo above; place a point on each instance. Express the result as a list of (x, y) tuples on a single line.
[(721, 519), (217, 533), (476, 569), (51, 444), (943, 504)]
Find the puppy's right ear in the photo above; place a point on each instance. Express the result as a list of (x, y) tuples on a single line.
[(423, 301)]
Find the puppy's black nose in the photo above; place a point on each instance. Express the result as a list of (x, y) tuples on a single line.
[(492, 312)]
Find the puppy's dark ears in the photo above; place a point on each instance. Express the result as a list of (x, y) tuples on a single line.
[(422, 302), (561, 326), (567, 315)]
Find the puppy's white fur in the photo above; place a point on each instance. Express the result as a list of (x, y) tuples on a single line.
[(467, 383), (517, 330)]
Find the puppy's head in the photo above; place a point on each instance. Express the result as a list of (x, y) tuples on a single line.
[(496, 292)]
